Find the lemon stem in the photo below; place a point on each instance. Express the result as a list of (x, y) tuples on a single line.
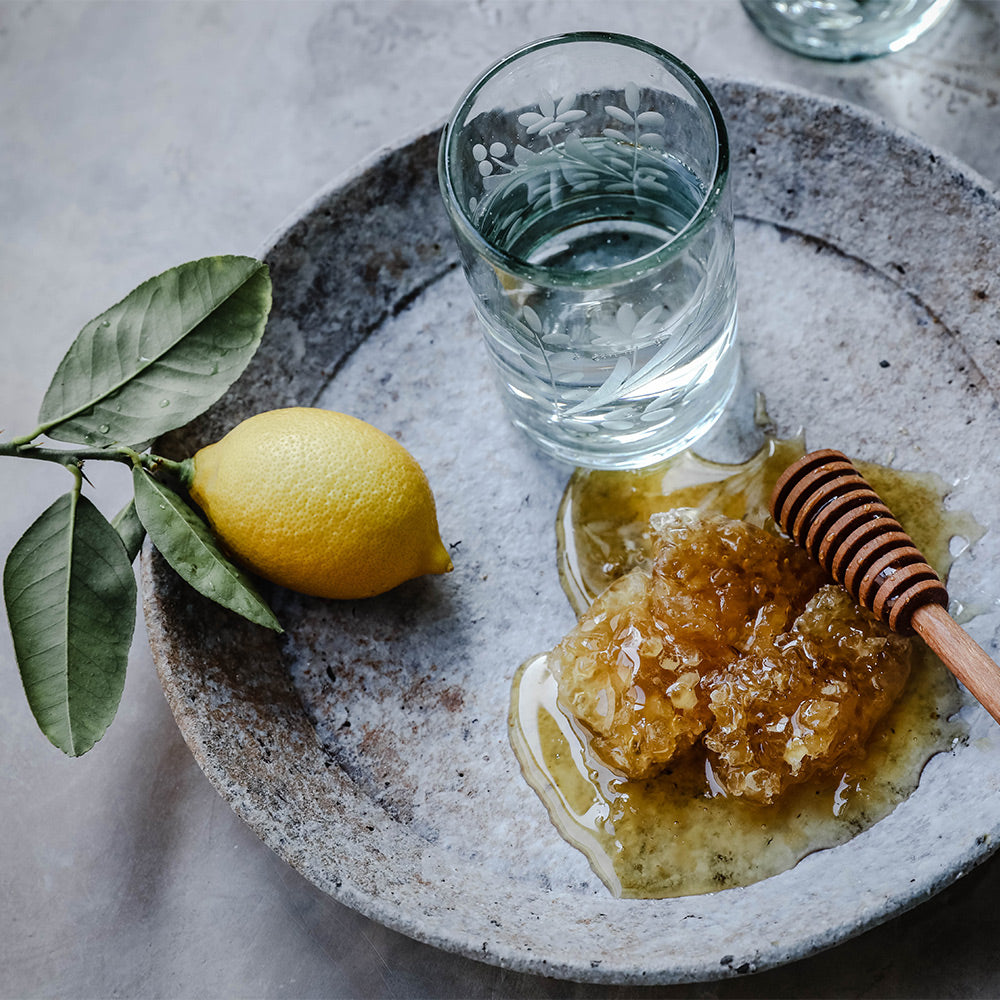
[(184, 471)]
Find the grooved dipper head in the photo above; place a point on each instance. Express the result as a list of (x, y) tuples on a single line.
[(825, 505)]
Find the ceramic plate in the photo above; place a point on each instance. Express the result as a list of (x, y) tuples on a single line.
[(368, 745)]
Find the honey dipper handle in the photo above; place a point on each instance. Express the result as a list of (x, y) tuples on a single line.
[(960, 654)]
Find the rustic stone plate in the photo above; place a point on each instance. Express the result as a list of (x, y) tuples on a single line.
[(368, 746)]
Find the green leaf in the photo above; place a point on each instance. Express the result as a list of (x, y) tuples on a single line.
[(70, 596), (130, 529), (161, 356), (188, 545)]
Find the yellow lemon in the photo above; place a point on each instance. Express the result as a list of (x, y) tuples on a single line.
[(320, 502)]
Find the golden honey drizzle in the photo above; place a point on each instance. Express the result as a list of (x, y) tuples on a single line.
[(677, 833)]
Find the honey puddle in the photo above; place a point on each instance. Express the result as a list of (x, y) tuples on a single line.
[(678, 833)]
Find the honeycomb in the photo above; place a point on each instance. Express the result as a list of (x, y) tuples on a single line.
[(642, 703), (731, 643)]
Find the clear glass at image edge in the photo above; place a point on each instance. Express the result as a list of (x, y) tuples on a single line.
[(846, 30)]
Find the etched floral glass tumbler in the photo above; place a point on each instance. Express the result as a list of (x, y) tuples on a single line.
[(586, 180)]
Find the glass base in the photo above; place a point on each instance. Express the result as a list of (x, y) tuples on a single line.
[(845, 30), (610, 451)]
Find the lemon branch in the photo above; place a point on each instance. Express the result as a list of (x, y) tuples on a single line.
[(148, 365), (73, 459)]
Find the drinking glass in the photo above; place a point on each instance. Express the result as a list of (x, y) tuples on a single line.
[(585, 177), (845, 30)]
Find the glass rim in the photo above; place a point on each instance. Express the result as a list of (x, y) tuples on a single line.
[(561, 277)]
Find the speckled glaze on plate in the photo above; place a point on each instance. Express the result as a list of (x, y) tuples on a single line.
[(368, 745)]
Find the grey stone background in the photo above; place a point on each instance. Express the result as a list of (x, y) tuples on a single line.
[(136, 135)]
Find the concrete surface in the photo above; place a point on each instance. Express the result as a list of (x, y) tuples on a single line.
[(136, 135)]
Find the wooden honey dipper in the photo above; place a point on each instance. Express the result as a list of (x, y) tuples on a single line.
[(825, 505)]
